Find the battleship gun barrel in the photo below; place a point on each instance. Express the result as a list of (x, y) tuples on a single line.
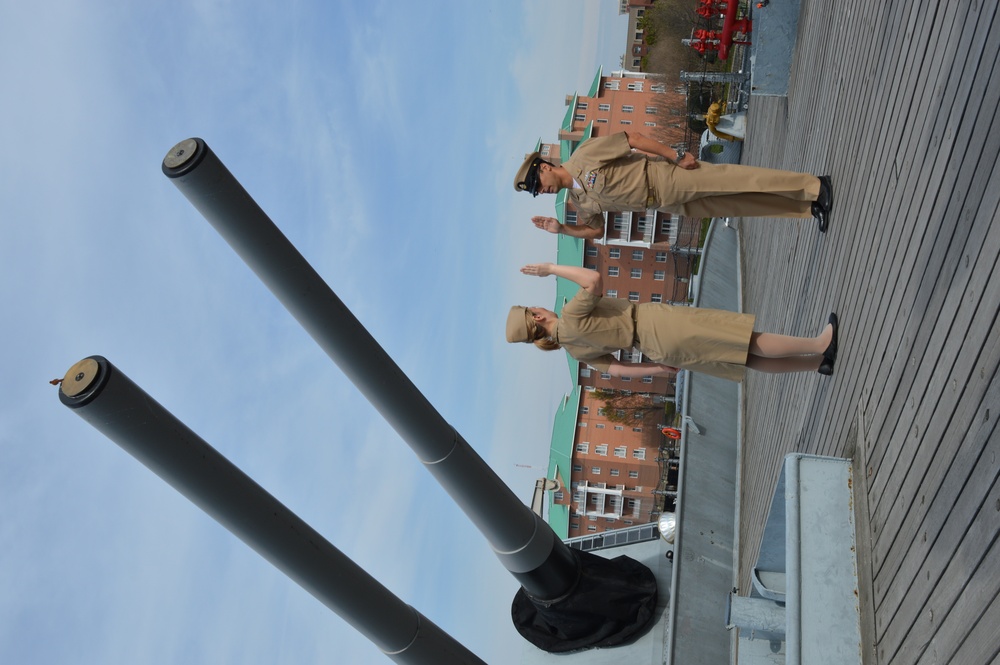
[(103, 396), (524, 543)]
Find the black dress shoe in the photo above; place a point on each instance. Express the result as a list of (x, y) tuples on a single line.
[(821, 217), (825, 198), (830, 355)]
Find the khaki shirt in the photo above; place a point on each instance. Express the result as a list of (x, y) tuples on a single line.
[(612, 178), (591, 328)]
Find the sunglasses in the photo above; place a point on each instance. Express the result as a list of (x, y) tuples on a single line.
[(531, 182)]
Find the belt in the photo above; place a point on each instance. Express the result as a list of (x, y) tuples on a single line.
[(635, 325), (650, 192)]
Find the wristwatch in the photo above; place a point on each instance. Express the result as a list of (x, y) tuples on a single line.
[(680, 155)]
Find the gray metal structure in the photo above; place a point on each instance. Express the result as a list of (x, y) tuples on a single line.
[(103, 396), (704, 550), (524, 543)]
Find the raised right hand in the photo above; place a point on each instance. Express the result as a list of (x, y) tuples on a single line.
[(550, 224)]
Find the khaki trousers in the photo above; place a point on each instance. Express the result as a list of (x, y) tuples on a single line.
[(731, 190)]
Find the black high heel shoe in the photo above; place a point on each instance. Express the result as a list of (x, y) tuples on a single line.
[(830, 355)]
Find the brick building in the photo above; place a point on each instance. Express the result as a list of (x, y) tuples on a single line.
[(635, 45), (610, 473)]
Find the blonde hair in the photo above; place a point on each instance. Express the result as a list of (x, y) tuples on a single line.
[(540, 338)]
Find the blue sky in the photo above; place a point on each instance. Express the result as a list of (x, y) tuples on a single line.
[(401, 199)]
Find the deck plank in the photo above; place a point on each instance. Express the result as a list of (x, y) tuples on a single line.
[(898, 101)]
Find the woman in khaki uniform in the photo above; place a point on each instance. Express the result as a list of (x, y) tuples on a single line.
[(712, 341)]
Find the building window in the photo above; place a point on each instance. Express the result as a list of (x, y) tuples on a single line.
[(596, 470), (591, 527), (601, 121), (626, 122), (625, 379), (601, 450), (639, 453), (581, 424), (614, 472), (591, 251), (571, 217), (666, 225), (634, 297), (618, 223), (599, 425), (649, 123), (627, 108), (612, 271), (581, 106), (657, 87), (612, 293), (633, 474), (585, 372), (559, 496), (584, 410), (646, 379), (636, 273), (611, 85), (577, 468), (591, 266), (621, 428), (604, 107), (636, 62), (635, 86), (638, 429), (638, 254), (601, 411), (583, 448), (621, 451), (661, 257), (615, 252), (651, 110), (574, 525), (659, 275), (579, 116), (656, 297), (606, 376)]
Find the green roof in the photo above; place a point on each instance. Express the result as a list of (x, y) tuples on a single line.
[(569, 252), (595, 87), (568, 118), (561, 457)]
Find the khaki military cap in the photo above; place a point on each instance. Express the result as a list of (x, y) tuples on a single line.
[(526, 179), (519, 324)]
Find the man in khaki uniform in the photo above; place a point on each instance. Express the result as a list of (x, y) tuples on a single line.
[(605, 175)]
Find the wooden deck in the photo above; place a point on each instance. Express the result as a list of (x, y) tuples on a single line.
[(898, 101)]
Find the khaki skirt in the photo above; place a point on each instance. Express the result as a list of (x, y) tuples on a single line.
[(711, 341)]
